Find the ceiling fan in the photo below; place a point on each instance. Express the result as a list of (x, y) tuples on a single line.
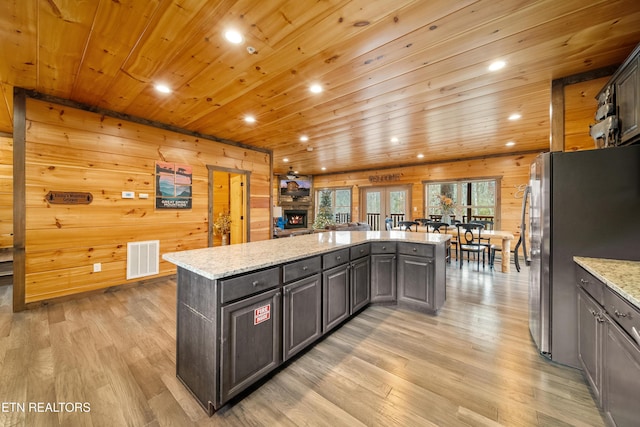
[(291, 174)]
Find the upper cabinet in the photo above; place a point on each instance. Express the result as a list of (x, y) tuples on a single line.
[(618, 113)]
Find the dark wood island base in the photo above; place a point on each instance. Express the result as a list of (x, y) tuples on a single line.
[(234, 328)]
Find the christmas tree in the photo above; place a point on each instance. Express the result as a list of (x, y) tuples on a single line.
[(325, 214)]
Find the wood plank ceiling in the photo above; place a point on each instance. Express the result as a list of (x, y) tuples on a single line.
[(413, 70)]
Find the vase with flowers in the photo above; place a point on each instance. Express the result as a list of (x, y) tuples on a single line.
[(222, 226), (447, 207)]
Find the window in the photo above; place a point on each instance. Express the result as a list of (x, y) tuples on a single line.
[(337, 201), (471, 198)]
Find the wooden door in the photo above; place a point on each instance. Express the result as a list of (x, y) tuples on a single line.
[(237, 207)]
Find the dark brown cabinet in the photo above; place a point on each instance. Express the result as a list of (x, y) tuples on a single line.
[(622, 374), (590, 333), (383, 272), (609, 348), (250, 332), (301, 314), (360, 284), (335, 296), (627, 101), (417, 276)]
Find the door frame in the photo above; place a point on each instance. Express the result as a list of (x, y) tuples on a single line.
[(245, 201), (384, 199)]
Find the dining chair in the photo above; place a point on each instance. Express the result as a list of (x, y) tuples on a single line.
[(441, 227), (469, 242), (388, 224), (406, 225)]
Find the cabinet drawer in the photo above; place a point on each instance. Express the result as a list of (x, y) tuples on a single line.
[(590, 284), (335, 258), (299, 269), (416, 249), (623, 313), (248, 284), (383, 247), (359, 251)]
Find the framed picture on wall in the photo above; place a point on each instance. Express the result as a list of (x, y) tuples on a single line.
[(173, 186)]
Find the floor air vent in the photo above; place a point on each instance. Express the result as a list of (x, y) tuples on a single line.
[(143, 259)]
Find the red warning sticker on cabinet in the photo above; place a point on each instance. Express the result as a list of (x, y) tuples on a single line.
[(261, 314)]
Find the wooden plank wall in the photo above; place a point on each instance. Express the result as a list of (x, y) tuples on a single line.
[(6, 193), (75, 150), (514, 171)]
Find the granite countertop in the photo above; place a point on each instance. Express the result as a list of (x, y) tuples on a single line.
[(621, 276), (222, 261)]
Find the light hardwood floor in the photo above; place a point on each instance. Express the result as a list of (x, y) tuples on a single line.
[(471, 365)]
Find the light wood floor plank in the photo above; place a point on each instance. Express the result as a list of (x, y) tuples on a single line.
[(473, 364)]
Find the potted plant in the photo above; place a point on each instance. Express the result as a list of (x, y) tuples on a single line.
[(222, 226)]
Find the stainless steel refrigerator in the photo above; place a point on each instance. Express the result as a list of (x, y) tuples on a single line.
[(584, 203)]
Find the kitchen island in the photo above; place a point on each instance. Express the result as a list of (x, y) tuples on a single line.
[(609, 334), (244, 310)]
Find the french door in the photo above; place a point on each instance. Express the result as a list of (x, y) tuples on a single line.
[(392, 202)]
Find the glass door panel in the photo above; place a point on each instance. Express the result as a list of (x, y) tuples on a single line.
[(386, 202)]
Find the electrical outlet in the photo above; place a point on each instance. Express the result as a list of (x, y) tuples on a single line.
[(97, 267), (143, 195), (128, 195)]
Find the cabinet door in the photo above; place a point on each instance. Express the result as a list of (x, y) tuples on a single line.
[(302, 314), (360, 293), (590, 330), (415, 281), (335, 296), (621, 377), (383, 278), (251, 332), (627, 101)]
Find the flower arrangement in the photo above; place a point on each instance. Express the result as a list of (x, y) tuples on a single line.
[(222, 224), (447, 204)]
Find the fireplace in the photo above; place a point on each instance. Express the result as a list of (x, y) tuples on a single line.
[(295, 219)]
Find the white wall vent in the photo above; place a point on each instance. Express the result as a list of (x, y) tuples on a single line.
[(143, 259)]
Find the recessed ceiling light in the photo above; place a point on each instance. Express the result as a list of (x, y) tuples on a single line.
[(162, 88), (514, 116), (323, 168), (233, 36), (249, 119), (510, 144), (304, 138), (497, 65), (395, 139), (285, 160), (420, 156), (315, 88)]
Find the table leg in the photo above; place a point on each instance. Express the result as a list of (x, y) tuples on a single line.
[(506, 255)]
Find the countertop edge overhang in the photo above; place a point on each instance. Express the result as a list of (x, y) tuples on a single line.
[(620, 275), (224, 261)]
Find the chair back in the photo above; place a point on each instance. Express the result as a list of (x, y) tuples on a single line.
[(466, 234), (488, 225), (406, 225), (438, 227)]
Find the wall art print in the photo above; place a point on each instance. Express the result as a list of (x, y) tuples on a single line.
[(173, 186)]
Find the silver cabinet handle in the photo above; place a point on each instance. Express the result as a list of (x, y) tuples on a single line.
[(384, 248), (305, 268), (636, 335), (593, 312), (584, 282), (415, 249), (255, 283), (338, 258), (619, 314)]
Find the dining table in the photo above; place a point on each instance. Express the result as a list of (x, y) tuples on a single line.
[(504, 236)]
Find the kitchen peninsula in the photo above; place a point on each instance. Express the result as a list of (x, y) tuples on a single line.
[(244, 310)]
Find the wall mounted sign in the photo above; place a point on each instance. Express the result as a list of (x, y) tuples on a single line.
[(384, 178), (68, 198), (173, 186)]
